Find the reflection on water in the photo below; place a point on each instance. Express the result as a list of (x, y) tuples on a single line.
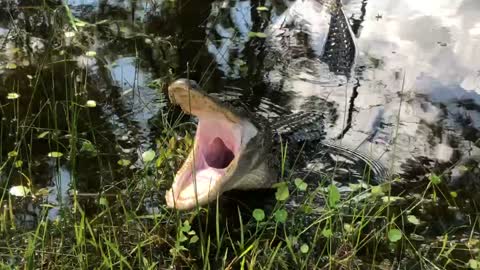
[(58, 195), (415, 91)]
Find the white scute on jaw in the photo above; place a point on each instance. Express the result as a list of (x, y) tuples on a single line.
[(248, 132)]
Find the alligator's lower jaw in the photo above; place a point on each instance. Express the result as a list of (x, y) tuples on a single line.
[(215, 154)]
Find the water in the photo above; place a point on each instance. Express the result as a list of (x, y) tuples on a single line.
[(414, 89), (411, 100)]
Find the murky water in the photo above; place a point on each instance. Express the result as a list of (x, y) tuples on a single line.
[(410, 98)]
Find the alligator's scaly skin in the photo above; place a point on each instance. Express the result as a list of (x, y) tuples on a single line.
[(299, 35), (307, 149)]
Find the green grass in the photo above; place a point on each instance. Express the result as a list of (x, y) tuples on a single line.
[(114, 216)]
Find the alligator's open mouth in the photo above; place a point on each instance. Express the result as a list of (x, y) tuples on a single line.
[(219, 141)]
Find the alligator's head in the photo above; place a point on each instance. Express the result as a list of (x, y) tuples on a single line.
[(230, 150)]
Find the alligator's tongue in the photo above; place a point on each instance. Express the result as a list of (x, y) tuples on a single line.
[(218, 155)]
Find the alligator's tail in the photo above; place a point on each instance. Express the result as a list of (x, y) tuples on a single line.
[(379, 172), (341, 163), (340, 51)]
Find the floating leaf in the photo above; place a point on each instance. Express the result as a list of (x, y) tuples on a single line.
[(377, 190), (435, 179), (394, 235), (182, 238), (124, 162), (262, 8), (194, 239), (19, 191), (12, 154), (43, 134), (304, 248), (55, 154), (333, 195), (18, 163), (91, 103), (148, 156), (87, 146), (413, 219), (472, 243), (13, 95), (103, 201), (91, 53), (300, 184), (11, 66), (281, 215), (257, 34), (258, 215), (186, 226), (355, 187), (327, 233), (348, 228), (282, 192), (473, 264), (453, 194), (69, 34)]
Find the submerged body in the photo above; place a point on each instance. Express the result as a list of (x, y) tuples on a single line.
[(235, 148)]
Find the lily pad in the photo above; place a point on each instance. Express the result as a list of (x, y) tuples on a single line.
[(19, 191), (300, 184), (333, 195), (148, 156), (55, 154), (258, 215), (124, 162), (282, 193), (91, 53), (413, 219), (435, 179), (281, 215), (304, 248), (327, 233), (394, 235), (91, 103), (13, 95), (11, 66)]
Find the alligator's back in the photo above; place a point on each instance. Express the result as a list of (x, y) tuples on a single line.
[(321, 157), (314, 29)]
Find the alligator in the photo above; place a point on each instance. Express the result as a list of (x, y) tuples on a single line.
[(238, 148)]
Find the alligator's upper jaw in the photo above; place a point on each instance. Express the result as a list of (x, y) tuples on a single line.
[(219, 142)]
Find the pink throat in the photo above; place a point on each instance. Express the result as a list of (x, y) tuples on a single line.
[(217, 144)]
